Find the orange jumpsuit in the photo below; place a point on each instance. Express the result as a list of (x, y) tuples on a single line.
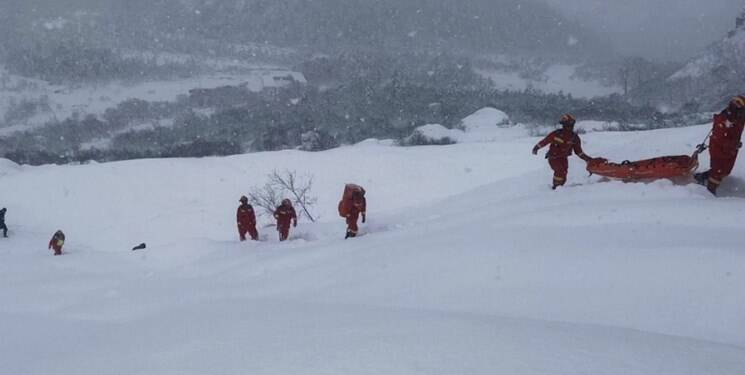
[(359, 206), (562, 142), (724, 145), (246, 222), (284, 215)]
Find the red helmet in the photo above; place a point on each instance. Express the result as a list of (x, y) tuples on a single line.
[(567, 119)]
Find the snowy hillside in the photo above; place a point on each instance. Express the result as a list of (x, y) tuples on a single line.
[(469, 264), (18, 95), (727, 52), (708, 80)]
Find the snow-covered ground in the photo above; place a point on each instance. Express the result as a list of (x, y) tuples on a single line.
[(557, 78), (469, 264)]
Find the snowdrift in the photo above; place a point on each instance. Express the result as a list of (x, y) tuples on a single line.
[(483, 270)]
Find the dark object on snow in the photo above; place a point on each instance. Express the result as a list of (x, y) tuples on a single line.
[(57, 241), (139, 247), (3, 227)]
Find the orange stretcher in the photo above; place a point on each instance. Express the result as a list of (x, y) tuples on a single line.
[(648, 169)]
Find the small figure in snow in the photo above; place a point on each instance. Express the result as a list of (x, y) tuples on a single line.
[(57, 241), (724, 144), (352, 205), (2, 222), (285, 214), (246, 220), (563, 141)]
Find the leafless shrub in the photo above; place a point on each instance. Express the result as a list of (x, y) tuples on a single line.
[(281, 185)]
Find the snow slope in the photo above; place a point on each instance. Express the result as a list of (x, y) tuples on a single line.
[(469, 264)]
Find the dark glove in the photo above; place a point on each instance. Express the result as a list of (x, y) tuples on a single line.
[(363, 219), (294, 223), (535, 150)]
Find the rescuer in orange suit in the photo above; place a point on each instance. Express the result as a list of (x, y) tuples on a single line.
[(246, 219), (724, 144), (357, 208), (563, 141), (285, 214)]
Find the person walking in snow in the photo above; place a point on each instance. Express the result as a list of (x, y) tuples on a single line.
[(352, 205), (57, 241), (2, 222), (563, 141), (285, 214), (246, 220), (724, 144)]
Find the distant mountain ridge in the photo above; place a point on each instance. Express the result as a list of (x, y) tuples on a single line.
[(707, 81)]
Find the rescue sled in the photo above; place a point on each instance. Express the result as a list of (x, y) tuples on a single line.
[(648, 169), (345, 205)]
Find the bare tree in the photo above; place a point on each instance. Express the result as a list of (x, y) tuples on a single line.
[(265, 197), (280, 185)]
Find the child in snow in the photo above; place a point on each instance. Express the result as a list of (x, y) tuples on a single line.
[(285, 214), (57, 241), (563, 141)]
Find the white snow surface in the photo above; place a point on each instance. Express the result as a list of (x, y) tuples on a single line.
[(469, 264)]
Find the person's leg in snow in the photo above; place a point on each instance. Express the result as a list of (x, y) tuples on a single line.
[(253, 233), (720, 168), (57, 250), (242, 232), (352, 227), (560, 167), (284, 232)]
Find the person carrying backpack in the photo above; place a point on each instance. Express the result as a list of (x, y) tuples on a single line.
[(353, 205)]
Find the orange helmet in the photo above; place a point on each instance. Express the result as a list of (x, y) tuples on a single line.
[(738, 102), (567, 119)]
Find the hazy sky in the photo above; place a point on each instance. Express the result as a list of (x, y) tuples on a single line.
[(660, 29)]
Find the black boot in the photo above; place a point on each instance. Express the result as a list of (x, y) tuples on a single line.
[(701, 178)]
